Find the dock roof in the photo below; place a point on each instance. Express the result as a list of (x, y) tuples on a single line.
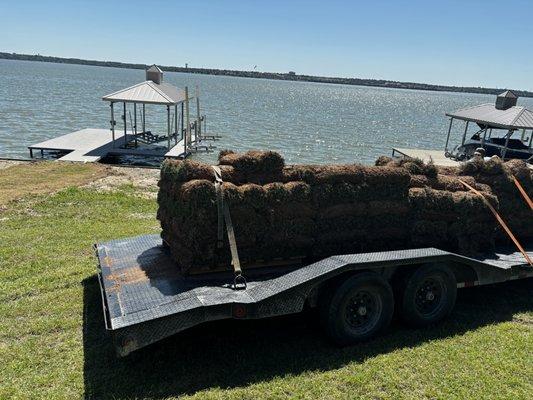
[(515, 117), (148, 92)]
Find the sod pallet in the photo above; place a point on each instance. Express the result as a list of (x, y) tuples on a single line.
[(312, 211)]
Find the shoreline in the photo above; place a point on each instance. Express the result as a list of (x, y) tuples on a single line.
[(290, 76)]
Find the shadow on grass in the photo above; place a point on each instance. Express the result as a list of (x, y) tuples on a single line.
[(238, 353)]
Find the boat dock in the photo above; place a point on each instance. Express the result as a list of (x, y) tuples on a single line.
[(183, 137), (91, 145), (436, 156)]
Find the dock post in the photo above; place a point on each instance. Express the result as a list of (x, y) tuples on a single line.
[(175, 124), (112, 124), (168, 126), (504, 152), (182, 116), (125, 126), (144, 119), (484, 137), (188, 125), (199, 131), (448, 137), (464, 135), (135, 122)]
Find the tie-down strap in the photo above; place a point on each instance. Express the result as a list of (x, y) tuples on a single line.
[(225, 217)]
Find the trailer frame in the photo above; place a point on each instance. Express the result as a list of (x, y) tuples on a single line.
[(145, 299)]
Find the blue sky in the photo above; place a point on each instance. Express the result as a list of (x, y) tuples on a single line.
[(471, 43)]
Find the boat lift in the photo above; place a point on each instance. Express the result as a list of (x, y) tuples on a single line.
[(504, 116), (183, 137)]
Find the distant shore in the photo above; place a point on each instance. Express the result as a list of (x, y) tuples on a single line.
[(290, 76)]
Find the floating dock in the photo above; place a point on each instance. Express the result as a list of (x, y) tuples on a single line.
[(91, 145), (436, 156)]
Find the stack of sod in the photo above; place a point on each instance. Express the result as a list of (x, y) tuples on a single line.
[(280, 212), (314, 211), (494, 179), (498, 176)]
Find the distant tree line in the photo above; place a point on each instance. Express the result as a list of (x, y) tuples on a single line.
[(290, 76)]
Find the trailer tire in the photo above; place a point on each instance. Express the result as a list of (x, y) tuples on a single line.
[(429, 295), (358, 309)]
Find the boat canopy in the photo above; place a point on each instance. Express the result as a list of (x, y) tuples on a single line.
[(497, 115), (152, 91), (148, 92)]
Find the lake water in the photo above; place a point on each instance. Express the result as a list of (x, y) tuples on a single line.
[(306, 122)]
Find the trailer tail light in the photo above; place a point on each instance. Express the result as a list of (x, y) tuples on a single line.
[(239, 311)]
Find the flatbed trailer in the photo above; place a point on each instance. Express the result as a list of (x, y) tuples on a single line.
[(145, 299)]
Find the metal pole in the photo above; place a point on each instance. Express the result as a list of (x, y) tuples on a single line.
[(175, 124), (490, 132), (135, 122), (125, 126), (112, 124), (199, 132), (182, 116), (144, 119), (504, 152), (168, 126), (464, 135), (484, 137), (448, 137), (188, 125), (530, 139)]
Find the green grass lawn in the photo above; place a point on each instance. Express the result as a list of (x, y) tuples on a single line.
[(53, 343)]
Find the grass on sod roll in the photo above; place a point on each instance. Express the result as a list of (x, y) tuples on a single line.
[(53, 344)]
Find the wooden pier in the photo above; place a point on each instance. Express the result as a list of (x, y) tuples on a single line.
[(91, 145), (436, 156)]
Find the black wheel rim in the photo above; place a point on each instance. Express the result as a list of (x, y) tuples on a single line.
[(362, 312), (430, 296)]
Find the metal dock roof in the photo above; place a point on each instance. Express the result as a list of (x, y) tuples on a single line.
[(148, 92), (516, 117)]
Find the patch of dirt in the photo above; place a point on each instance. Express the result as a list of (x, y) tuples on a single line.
[(19, 179), (9, 163), (141, 178)]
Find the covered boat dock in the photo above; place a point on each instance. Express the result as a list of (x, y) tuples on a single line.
[(181, 139), (503, 115)]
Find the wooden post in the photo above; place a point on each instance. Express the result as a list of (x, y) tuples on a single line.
[(135, 122), (448, 137), (168, 126), (112, 124), (199, 123), (464, 135), (125, 126)]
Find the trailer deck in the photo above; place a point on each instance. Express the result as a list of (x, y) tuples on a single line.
[(145, 299)]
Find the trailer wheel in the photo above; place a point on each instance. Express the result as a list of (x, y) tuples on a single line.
[(429, 295), (358, 309)]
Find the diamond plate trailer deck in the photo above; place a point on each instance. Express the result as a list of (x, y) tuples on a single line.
[(145, 299)]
